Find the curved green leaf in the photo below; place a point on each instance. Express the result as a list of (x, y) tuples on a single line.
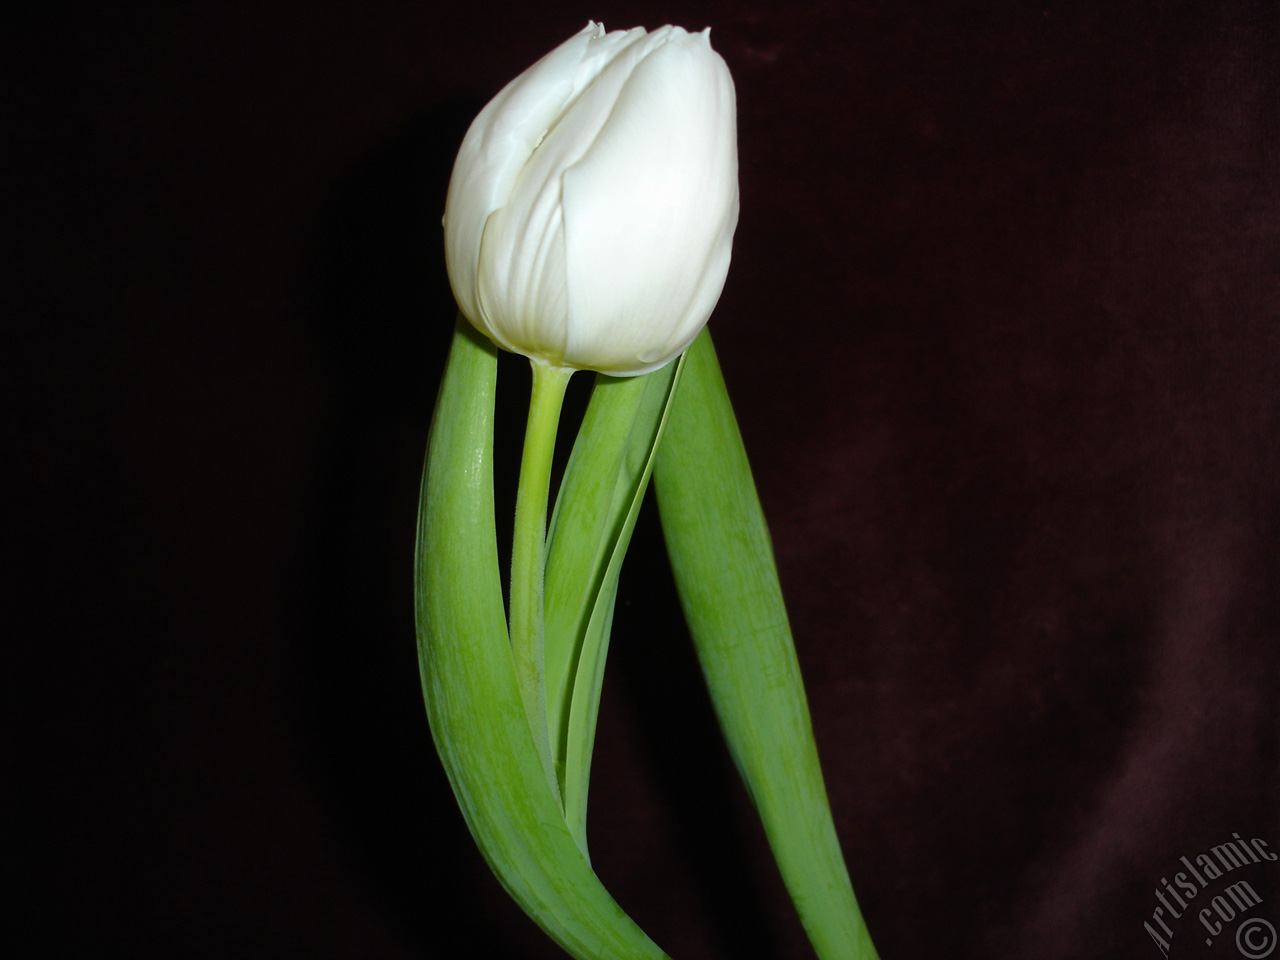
[(599, 499), (723, 562), (474, 704)]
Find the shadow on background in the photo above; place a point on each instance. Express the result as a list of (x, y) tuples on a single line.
[(383, 317)]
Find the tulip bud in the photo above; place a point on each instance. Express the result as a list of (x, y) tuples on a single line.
[(591, 211)]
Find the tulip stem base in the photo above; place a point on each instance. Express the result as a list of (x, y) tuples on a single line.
[(528, 552)]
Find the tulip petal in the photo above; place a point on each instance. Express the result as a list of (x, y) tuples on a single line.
[(650, 210), (523, 280), (592, 206), (496, 148)]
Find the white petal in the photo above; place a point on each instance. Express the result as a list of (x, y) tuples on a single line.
[(522, 295), (497, 145), (650, 209)]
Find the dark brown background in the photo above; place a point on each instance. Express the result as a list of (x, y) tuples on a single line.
[(1002, 331)]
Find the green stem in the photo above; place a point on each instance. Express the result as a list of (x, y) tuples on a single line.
[(528, 551)]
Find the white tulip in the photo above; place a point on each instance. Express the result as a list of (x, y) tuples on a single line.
[(592, 206)]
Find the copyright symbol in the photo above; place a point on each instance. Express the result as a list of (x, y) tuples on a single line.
[(1255, 938)]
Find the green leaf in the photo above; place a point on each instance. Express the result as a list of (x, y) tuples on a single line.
[(474, 704), (595, 514), (723, 562)]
